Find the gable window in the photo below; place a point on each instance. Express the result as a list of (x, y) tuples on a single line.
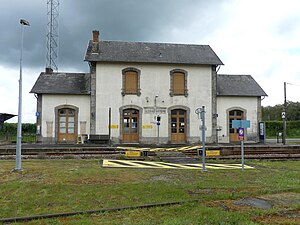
[(131, 81), (178, 82)]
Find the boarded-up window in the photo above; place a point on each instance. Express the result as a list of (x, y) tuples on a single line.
[(178, 82), (49, 128), (131, 81), (82, 127), (131, 85)]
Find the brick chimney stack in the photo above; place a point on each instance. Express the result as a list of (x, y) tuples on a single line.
[(48, 70), (95, 36)]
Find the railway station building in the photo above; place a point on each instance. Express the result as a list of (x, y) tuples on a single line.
[(133, 86)]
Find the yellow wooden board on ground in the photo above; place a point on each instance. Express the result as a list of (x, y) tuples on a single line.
[(185, 148), (132, 153), (110, 163), (213, 152)]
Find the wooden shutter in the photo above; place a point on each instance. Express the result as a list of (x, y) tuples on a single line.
[(178, 83), (131, 82)]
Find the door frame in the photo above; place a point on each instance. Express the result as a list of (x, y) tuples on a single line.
[(56, 110), (244, 111), (187, 121), (140, 110)]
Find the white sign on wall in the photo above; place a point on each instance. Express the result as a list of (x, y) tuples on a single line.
[(152, 110)]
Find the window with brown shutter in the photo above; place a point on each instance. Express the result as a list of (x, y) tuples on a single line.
[(178, 82), (131, 81)]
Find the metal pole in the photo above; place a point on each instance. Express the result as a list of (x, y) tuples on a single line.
[(284, 117), (19, 129), (203, 138), (157, 134), (243, 160), (109, 125)]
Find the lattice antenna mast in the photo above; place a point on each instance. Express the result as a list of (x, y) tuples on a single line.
[(52, 34)]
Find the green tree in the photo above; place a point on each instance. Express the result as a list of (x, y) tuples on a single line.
[(273, 113)]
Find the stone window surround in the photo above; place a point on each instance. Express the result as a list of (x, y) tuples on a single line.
[(56, 109), (185, 82), (123, 80)]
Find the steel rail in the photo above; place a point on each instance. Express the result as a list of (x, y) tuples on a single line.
[(67, 214)]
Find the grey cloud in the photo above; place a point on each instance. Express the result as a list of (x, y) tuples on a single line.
[(130, 20)]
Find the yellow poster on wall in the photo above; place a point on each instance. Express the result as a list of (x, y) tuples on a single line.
[(147, 126)]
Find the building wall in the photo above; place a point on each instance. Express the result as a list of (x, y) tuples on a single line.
[(50, 102), (154, 80), (251, 107)]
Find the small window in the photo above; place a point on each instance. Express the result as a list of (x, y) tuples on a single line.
[(178, 82), (131, 81)]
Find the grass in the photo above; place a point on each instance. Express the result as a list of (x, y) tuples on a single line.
[(56, 186)]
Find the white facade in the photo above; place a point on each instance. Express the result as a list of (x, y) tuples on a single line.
[(154, 100), (49, 126), (250, 106), (154, 81)]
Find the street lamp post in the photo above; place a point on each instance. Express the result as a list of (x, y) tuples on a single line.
[(19, 130)]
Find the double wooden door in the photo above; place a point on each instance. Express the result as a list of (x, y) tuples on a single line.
[(178, 126), (66, 125), (233, 132), (130, 126)]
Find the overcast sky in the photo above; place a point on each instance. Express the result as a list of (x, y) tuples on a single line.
[(257, 37)]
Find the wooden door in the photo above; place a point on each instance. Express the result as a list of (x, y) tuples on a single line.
[(178, 126), (66, 126), (233, 132), (130, 126)]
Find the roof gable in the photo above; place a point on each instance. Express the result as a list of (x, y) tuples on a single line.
[(146, 52)]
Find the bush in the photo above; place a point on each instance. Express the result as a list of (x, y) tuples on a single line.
[(9, 132), (11, 128), (292, 128)]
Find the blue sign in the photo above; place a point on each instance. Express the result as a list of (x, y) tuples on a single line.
[(240, 123), (158, 123), (241, 132)]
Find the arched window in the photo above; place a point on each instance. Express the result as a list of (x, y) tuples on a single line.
[(131, 81), (178, 82)]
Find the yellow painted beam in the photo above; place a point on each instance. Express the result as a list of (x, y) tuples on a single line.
[(163, 165)]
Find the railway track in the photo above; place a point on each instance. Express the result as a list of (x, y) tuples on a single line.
[(255, 152), (84, 152)]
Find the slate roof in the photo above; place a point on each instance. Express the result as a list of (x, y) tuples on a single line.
[(62, 83), (238, 85), (146, 52)]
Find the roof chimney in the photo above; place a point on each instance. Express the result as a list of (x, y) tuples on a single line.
[(95, 36), (48, 70)]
